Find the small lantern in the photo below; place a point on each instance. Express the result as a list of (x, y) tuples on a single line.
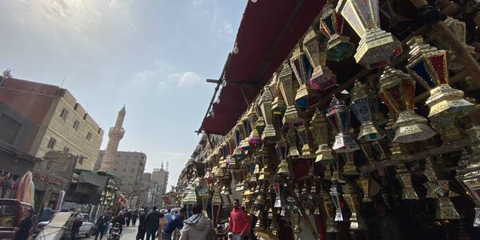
[(292, 142), (339, 117), (281, 149), (303, 71), (397, 90), (320, 132), (254, 137), (403, 175), (322, 77), (331, 24), (376, 48), (428, 66), (302, 135), (351, 198), (288, 92), (364, 183), (278, 104), (349, 167), (335, 195), (269, 132), (363, 106), (327, 209)]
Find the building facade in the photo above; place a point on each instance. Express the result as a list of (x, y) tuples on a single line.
[(37, 118), (129, 167), (160, 179)]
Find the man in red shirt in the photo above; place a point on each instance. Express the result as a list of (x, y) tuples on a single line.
[(239, 223)]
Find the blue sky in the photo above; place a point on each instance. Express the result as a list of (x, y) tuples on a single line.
[(108, 66)]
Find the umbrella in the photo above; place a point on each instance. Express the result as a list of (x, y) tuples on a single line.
[(61, 196), (26, 189)]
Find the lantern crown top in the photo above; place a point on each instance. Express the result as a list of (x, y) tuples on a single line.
[(359, 90), (286, 70), (318, 116), (390, 74)]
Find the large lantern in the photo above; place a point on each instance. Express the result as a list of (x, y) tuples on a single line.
[(331, 24), (376, 48), (285, 81), (363, 106), (303, 71), (428, 66), (397, 90), (322, 77), (266, 107), (339, 117)]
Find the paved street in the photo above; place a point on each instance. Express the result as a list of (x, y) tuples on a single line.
[(129, 233)]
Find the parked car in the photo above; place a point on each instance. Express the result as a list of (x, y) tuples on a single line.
[(87, 227)]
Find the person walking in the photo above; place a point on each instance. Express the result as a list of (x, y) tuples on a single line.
[(23, 231), (47, 214), (134, 218), (151, 223), (77, 223), (161, 224), (128, 217), (197, 227), (169, 215), (102, 225), (239, 224), (176, 223), (120, 219), (141, 225)]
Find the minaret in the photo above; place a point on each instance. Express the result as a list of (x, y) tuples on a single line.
[(114, 136)]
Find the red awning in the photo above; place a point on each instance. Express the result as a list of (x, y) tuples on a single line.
[(268, 32)]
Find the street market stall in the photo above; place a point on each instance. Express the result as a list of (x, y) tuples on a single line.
[(349, 119)]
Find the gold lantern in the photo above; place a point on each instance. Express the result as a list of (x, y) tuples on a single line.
[(302, 70), (303, 136), (397, 90), (428, 66), (278, 104), (327, 209), (315, 48), (285, 81), (320, 132), (269, 132), (335, 195), (292, 142), (351, 198), (376, 48), (281, 149), (403, 175), (364, 183)]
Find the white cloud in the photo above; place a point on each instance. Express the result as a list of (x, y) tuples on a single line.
[(185, 79), (143, 76), (162, 87), (197, 2)]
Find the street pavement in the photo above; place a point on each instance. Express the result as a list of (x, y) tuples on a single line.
[(129, 233)]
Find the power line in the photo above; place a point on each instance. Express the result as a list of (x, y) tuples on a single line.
[(134, 32)]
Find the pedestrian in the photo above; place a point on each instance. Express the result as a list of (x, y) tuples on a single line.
[(47, 214), (128, 217), (120, 219), (176, 223), (134, 218), (23, 231), (197, 227), (102, 225), (161, 224), (238, 227), (151, 222), (169, 215), (77, 223), (141, 225)]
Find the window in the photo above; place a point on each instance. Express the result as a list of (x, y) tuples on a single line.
[(51, 143), (89, 136), (133, 170), (124, 169), (66, 149), (76, 124), (64, 114), (9, 129)]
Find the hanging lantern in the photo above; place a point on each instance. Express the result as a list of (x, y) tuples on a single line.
[(403, 175), (364, 183), (397, 90), (327, 209), (396, 23), (428, 66), (363, 105), (349, 168), (292, 143), (303, 71), (281, 149), (278, 104), (322, 77), (335, 195), (376, 48), (331, 24), (285, 81), (320, 133), (260, 123), (269, 132), (254, 137), (339, 117), (302, 135), (351, 198)]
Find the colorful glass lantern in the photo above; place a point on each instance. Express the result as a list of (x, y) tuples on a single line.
[(376, 48), (316, 50), (331, 24), (363, 106), (303, 71), (338, 116), (269, 132), (287, 90), (428, 66), (397, 90), (320, 132), (293, 152)]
